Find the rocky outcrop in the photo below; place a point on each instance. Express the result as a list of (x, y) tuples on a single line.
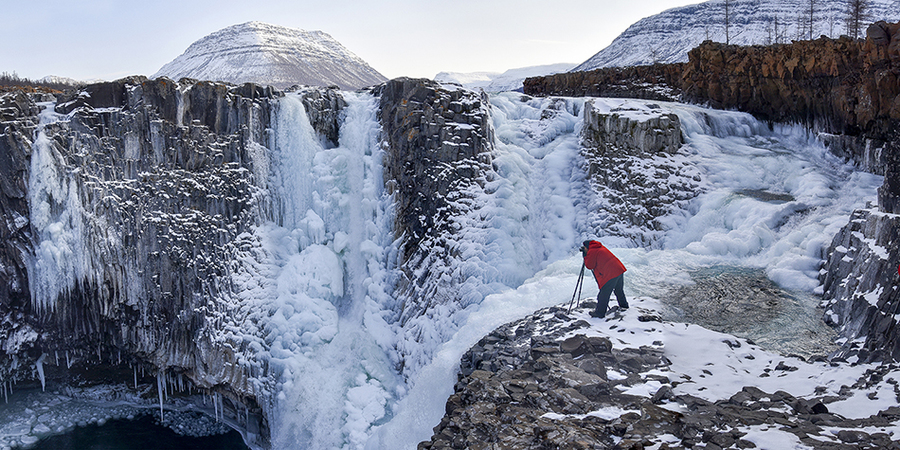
[(859, 277), (660, 82), (841, 86), (551, 381), (631, 159), (440, 142), (860, 281), (324, 106)]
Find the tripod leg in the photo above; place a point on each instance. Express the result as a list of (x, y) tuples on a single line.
[(577, 289)]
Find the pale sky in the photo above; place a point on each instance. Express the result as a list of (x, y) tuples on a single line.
[(110, 39)]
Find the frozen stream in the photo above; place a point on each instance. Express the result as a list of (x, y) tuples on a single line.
[(320, 271)]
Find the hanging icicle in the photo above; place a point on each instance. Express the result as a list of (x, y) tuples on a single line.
[(160, 388)]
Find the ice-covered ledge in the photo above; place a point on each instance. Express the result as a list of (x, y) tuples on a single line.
[(627, 127)]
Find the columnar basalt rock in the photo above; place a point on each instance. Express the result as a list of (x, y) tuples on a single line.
[(631, 159), (660, 82), (123, 218), (18, 121), (440, 141), (862, 287), (324, 106)]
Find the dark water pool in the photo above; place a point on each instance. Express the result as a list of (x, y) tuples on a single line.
[(745, 303), (142, 433)]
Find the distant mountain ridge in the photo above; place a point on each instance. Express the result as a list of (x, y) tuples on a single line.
[(668, 36), (510, 80), (272, 55)]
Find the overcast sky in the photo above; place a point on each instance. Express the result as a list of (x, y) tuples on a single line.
[(110, 39)]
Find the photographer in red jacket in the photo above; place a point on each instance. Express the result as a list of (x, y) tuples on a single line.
[(608, 271)]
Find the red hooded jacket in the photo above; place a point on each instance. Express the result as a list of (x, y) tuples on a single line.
[(603, 263)]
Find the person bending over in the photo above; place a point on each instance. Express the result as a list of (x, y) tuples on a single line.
[(608, 271)]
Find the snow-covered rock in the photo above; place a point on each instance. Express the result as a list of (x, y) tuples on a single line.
[(633, 380), (256, 52), (667, 37), (631, 156)]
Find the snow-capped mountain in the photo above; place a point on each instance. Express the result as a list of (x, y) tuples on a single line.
[(64, 80), (510, 80), (272, 55), (667, 37)]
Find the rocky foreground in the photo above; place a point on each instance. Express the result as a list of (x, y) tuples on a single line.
[(631, 381)]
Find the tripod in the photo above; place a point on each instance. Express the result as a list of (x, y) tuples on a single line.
[(577, 292)]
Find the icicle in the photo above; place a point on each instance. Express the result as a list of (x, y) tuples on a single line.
[(39, 365), (159, 389), (99, 357), (56, 357), (68, 361), (135, 377)]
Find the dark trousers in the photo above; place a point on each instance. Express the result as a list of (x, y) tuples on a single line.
[(616, 285)]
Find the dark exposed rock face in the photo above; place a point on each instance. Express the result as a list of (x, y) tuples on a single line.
[(323, 106), (440, 144), (18, 120), (860, 279), (531, 384), (661, 82), (839, 86), (147, 189), (842, 86)]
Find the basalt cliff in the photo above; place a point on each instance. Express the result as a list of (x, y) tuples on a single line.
[(847, 91)]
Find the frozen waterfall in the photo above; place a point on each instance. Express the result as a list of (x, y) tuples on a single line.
[(313, 279)]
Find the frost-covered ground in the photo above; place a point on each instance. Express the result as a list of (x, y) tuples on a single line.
[(315, 280)]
